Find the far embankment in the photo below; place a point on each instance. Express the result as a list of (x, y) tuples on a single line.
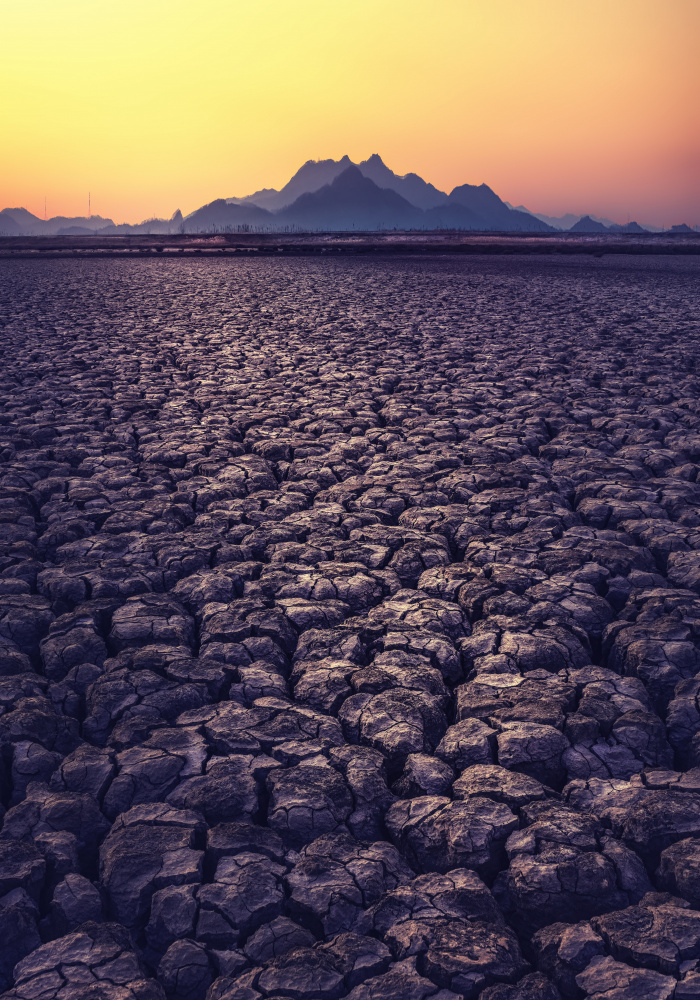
[(349, 243)]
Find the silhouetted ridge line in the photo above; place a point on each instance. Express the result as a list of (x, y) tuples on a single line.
[(337, 196)]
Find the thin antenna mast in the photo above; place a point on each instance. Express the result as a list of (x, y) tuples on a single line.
[(44, 208), (89, 209)]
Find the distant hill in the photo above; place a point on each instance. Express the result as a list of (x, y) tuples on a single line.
[(150, 226), (486, 205), (91, 224), (629, 227), (20, 222), (220, 215), (588, 225), (20, 216), (9, 226), (563, 222), (75, 231)]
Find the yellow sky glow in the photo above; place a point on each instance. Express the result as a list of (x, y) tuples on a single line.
[(153, 105)]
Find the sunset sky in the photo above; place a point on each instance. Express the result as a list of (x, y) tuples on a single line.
[(152, 105)]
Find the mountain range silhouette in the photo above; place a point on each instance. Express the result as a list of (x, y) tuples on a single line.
[(334, 196)]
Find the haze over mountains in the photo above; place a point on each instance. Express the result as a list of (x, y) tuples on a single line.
[(336, 195)]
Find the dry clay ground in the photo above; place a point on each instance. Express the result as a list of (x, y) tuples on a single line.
[(350, 625)]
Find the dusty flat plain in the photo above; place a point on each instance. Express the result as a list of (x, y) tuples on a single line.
[(350, 626), (387, 243)]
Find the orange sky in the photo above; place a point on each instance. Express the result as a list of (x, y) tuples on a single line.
[(153, 105)]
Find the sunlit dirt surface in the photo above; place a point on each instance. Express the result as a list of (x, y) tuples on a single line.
[(350, 627)]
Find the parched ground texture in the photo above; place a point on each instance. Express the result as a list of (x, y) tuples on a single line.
[(350, 629)]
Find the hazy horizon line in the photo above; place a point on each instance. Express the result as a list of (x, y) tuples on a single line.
[(618, 217)]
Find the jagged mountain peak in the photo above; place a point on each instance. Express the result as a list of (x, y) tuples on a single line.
[(351, 201), (311, 176), (588, 225)]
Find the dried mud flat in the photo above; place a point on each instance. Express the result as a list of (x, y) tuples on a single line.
[(350, 628)]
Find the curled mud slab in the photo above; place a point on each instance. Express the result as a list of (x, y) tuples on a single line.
[(350, 629)]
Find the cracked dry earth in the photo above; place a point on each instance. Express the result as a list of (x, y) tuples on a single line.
[(350, 626)]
